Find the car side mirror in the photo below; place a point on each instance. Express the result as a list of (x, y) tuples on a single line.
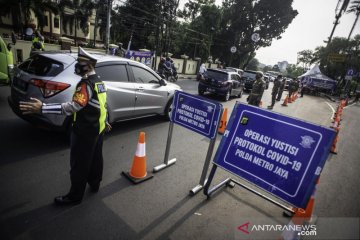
[(162, 82)]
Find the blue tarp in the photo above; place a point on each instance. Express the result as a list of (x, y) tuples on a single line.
[(315, 80)]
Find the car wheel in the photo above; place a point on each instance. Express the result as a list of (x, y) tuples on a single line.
[(227, 96), (168, 109)]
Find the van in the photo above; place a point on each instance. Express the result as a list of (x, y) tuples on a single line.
[(6, 61)]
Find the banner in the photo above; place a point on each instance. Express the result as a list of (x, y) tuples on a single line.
[(143, 57), (282, 155)]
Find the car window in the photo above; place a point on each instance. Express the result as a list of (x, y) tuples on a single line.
[(113, 73), (220, 76), (141, 75), (42, 66), (235, 77), (249, 75)]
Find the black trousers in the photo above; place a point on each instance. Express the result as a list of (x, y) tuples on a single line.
[(279, 95), (86, 161), (273, 98)]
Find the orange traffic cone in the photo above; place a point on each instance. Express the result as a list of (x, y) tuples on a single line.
[(301, 217), (285, 102), (290, 99), (223, 122), (336, 139), (138, 171)]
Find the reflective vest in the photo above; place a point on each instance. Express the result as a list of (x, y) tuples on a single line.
[(37, 44), (90, 120)]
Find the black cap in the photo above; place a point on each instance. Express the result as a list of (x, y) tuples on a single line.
[(86, 57)]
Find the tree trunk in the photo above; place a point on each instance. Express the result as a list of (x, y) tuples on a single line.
[(353, 26)]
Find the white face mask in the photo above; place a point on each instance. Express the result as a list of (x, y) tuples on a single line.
[(81, 68)]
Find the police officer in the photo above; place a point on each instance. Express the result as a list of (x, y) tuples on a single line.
[(281, 89), (257, 90), (88, 106), (275, 91), (37, 43), (291, 88)]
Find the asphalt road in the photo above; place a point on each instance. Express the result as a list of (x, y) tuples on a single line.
[(34, 168)]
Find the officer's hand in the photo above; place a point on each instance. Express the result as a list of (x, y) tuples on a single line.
[(108, 127), (31, 107)]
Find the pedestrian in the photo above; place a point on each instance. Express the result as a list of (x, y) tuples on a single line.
[(257, 90), (37, 43), (275, 90), (281, 89), (201, 72), (88, 106)]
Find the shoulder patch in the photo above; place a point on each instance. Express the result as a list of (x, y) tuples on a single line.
[(101, 87)]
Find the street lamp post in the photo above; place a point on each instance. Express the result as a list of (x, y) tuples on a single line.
[(212, 29)]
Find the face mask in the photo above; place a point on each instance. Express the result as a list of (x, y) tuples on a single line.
[(81, 69)]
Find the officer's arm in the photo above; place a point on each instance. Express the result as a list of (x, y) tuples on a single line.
[(80, 99)]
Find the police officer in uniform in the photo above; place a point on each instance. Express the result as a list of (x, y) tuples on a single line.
[(275, 91), (281, 89), (37, 43), (88, 107), (257, 90)]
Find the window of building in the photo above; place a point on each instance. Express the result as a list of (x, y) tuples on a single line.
[(46, 21), (56, 23)]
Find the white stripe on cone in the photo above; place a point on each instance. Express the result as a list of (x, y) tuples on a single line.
[(140, 150)]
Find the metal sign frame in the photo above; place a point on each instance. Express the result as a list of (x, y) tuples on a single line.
[(211, 134)]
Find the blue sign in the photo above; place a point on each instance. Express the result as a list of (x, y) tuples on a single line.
[(143, 57), (196, 113), (350, 72), (279, 154)]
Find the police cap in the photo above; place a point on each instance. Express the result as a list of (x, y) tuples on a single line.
[(86, 57)]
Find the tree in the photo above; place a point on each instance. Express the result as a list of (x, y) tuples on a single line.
[(20, 11), (241, 19), (294, 71), (305, 57), (77, 16), (354, 8), (341, 46), (253, 64)]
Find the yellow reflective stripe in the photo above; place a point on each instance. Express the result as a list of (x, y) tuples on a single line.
[(102, 102)]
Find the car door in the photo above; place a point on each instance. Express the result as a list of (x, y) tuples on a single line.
[(150, 96), (236, 84), (120, 91)]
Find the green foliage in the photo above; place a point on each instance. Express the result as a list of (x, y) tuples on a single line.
[(349, 49), (294, 71), (253, 64), (305, 57)]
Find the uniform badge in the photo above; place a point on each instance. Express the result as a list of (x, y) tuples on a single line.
[(306, 141)]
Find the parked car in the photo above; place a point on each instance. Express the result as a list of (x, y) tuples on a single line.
[(237, 70), (133, 89), (223, 82), (249, 77)]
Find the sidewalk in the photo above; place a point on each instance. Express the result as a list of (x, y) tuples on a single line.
[(187, 76)]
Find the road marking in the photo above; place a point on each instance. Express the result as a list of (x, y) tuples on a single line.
[(332, 109)]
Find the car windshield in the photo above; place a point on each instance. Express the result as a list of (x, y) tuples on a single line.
[(249, 75), (220, 76), (42, 66)]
